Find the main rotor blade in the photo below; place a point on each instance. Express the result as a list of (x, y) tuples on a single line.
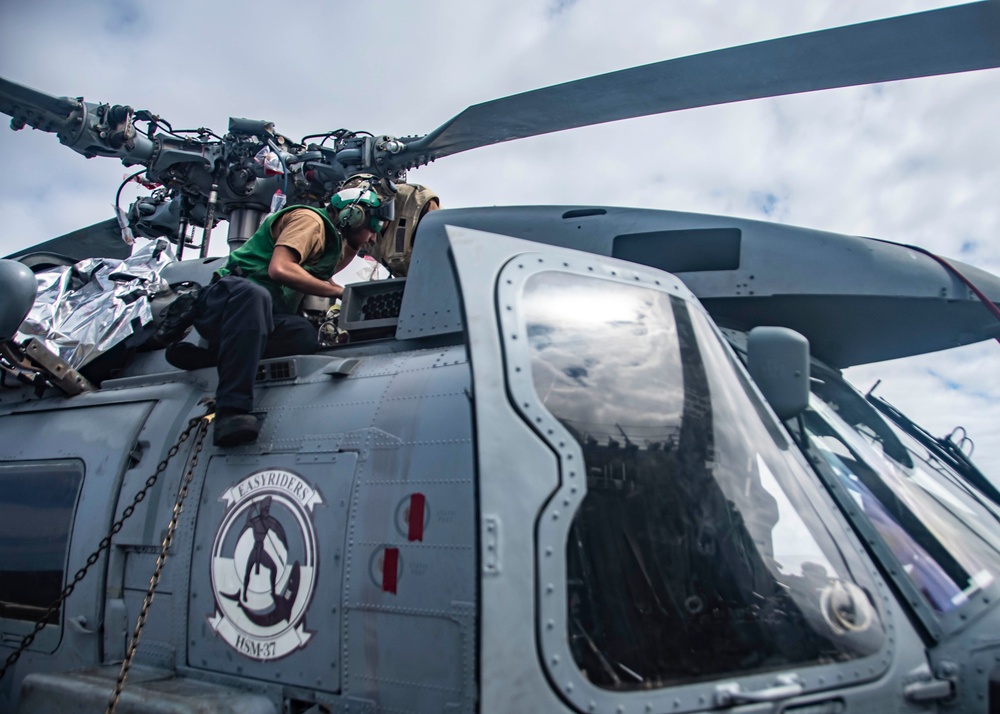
[(953, 39), (98, 240), (35, 108)]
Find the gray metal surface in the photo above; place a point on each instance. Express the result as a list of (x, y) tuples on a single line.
[(330, 477), (16, 96), (99, 240), (86, 691), (430, 301), (100, 436), (527, 505), (856, 299), (20, 289), (372, 305), (392, 431), (517, 475), (195, 271), (778, 361), (439, 552)]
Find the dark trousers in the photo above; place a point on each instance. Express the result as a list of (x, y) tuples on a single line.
[(234, 315)]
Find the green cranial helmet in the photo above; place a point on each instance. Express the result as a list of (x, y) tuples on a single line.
[(359, 205)]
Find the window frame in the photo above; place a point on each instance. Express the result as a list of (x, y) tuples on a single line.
[(13, 630), (555, 518)]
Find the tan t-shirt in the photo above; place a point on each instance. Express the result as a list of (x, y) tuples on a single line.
[(303, 232)]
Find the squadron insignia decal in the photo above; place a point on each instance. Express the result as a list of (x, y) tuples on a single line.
[(264, 564)]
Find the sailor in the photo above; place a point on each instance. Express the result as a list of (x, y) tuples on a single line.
[(248, 312), (395, 246)]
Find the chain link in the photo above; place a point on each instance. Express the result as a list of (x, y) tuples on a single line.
[(104, 545), (161, 560)]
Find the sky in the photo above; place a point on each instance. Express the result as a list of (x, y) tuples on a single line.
[(914, 162)]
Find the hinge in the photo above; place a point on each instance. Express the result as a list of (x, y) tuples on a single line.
[(491, 545), (928, 688)]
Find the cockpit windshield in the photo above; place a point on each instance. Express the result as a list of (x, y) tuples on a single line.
[(701, 549), (940, 529)]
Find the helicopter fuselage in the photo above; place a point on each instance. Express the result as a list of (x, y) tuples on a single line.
[(555, 489)]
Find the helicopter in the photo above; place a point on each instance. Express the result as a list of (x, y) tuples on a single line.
[(545, 481)]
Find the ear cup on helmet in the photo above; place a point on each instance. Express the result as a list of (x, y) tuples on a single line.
[(351, 217)]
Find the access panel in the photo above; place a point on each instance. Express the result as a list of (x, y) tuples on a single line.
[(267, 567), (58, 470)]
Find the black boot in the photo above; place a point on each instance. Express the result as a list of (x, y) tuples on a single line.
[(233, 428), (189, 356)]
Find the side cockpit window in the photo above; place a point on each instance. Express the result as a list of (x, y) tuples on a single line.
[(698, 551), (37, 504), (942, 535)]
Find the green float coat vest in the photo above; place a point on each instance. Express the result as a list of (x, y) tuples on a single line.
[(252, 259)]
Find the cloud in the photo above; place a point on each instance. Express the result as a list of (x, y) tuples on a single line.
[(558, 7), (945, 390)]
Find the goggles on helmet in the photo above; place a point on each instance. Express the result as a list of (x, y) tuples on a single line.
[(385, 211)]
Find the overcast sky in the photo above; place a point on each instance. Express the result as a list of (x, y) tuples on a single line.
[(914, 162)]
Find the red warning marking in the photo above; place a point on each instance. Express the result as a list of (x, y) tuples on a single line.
[(390, 567), (417, 506)]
